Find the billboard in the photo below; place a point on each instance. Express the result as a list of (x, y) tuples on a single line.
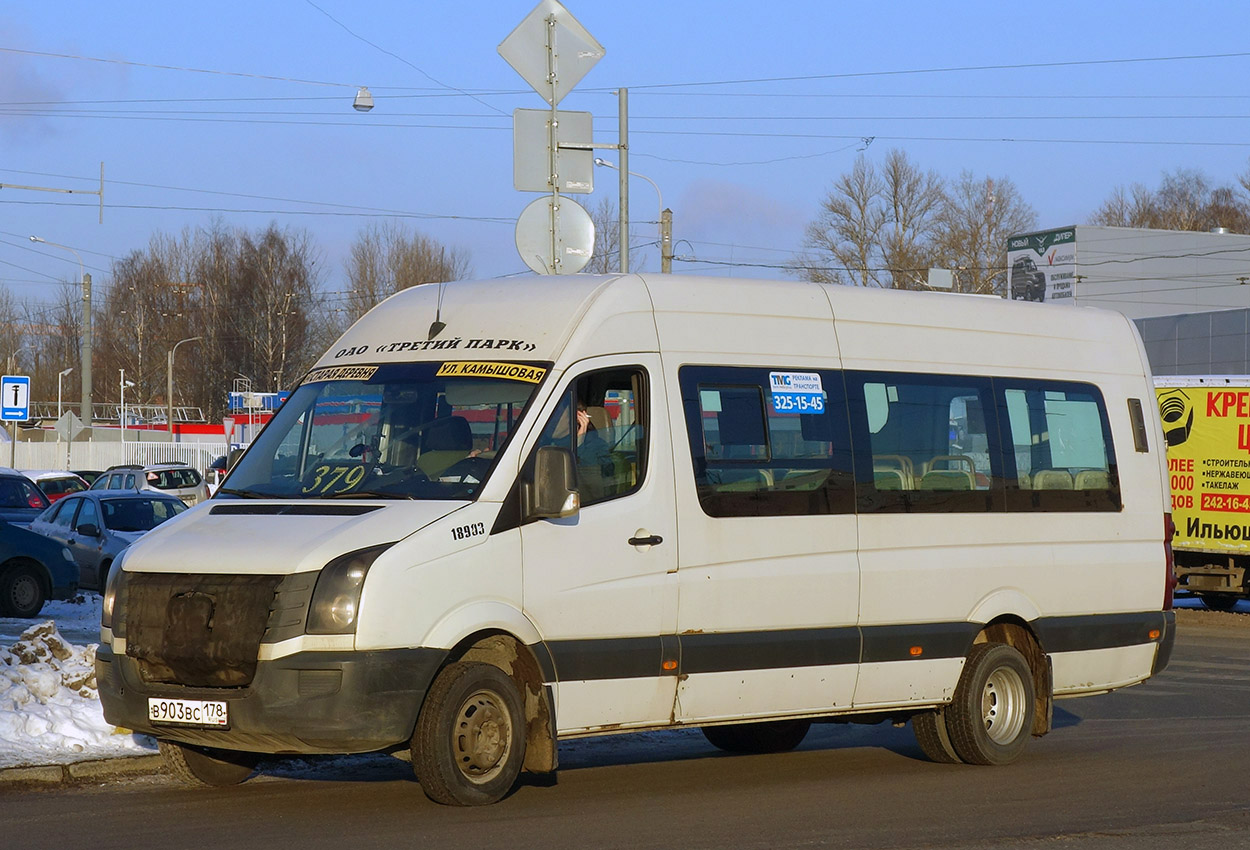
[(1207, 429), (1042, 266)]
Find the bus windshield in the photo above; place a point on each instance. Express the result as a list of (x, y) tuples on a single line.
[(392, 431)]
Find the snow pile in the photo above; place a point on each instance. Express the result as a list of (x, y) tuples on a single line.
[(49, 708)]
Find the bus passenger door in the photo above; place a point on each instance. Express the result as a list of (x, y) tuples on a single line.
[(601, 586)]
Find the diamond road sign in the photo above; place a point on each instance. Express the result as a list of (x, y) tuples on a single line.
[(574, 51), (15, 398), (69, 426)]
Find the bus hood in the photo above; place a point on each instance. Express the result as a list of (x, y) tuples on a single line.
[(276, 538)]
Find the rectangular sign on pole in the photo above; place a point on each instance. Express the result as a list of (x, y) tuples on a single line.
[(531, 152), (15, 398)]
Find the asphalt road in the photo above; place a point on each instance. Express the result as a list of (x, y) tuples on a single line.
[(1159, 765)]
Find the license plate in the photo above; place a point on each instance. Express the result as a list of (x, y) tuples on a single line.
[(191, 712)]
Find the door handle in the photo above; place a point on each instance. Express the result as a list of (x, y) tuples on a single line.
[(653, 540)]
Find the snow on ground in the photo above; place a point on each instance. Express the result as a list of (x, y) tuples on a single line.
[(49, 709)]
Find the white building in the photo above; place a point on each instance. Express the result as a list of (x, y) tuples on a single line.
[(1189, 292)]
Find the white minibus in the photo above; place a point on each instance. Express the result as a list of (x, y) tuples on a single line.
[(498, 514)]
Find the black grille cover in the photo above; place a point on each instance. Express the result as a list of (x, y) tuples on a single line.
[(197, 630)]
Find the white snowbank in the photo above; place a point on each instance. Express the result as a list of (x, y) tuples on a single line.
[(49, 708)]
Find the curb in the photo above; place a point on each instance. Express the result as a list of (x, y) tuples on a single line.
[(81, 771)]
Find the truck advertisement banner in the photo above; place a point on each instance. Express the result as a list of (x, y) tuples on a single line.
[(1207, 429), (1042, 266)]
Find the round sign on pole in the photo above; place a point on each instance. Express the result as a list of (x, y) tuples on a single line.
[(574, 233)]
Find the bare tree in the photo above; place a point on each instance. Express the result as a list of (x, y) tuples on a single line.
[(386, 258), (876, 226), (247, 296), (1185, 200), (913, 198), (972, 230), (14, 342), (843, 240), (1135, 207), (605, 258)]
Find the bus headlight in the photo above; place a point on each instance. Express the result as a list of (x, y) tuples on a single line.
[(336, 598), (111, 587)]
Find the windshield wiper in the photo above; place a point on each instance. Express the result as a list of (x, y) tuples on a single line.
[(366, 494), (246, 494)]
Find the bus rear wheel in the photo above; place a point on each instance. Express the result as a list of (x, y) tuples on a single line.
[(991, 717), (929, 728)]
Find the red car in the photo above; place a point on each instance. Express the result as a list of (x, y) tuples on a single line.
[(56, 485)]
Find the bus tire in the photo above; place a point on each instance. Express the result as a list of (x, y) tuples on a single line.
[(770, 736), (991, 717), (469, 743), (929, 728), (203, 766)]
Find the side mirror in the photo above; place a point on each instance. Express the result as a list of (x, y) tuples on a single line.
[(88, 529), (233, 458), (552, 490)]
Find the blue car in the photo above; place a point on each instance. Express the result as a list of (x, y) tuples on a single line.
[(33, 569), (98, 524)]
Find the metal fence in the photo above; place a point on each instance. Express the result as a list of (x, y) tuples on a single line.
[(105, 454)]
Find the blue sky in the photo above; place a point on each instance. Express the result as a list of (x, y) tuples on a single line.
[(743, 165)]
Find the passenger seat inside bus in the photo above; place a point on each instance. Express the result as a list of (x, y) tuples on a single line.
[(947, 479), (1052, 479), (1092, 479)]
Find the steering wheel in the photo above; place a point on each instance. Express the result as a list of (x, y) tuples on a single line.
[(469, 467)]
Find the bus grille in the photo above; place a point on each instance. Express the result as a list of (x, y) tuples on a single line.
[(200, 630)]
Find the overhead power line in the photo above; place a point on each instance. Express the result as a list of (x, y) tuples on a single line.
[(396, 56), (343, 213), (413, 94), (950, 70), (702, 133), (173, 67), (43, 112)]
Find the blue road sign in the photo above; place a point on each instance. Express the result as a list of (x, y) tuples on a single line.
[(15, 398)]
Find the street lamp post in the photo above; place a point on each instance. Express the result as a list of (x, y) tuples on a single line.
[(84, 412), (59, 376), (665, 219), (169, 385), (124, 384)]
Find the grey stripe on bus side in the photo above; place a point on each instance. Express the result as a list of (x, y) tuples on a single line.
[(721, 652)]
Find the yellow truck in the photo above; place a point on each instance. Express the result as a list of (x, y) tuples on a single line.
[(1206, 422)]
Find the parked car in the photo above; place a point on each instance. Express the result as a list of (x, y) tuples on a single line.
[(20, 500), (33, 569), (88, 475), (174, 479), (215, 472), (98, 524), (56, 485)]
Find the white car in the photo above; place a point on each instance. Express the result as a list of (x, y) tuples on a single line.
[(174, 479)]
